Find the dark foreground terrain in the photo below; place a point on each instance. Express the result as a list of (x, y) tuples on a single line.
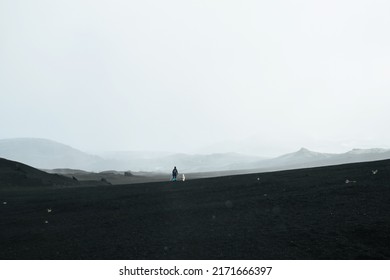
[(297, 214)]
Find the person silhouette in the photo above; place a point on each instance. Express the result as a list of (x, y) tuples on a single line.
[(174, 174)]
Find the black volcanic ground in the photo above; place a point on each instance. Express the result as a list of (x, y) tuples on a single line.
[(297, 214)]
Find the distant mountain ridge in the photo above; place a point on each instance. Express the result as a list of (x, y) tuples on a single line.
[(306, 158), (367, 151), (164, 162), (47, 154), (303, 155)]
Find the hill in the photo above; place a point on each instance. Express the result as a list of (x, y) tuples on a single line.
[(164, 162), (233, 163), (305, 158), (112, 176), (14, 173), (335, 212), (47, 154)]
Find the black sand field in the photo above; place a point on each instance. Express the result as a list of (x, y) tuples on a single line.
[(297, 214)]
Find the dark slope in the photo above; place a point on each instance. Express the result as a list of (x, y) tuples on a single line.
[(296, 214), (16, 174)]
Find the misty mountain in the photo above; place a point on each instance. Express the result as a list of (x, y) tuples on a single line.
[(362, 155), (47, 154), (164, 162), (303, 157), (306, 158)]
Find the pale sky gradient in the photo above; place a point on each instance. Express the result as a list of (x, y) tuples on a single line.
[(264, 77)]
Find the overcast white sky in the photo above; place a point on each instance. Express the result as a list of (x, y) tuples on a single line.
[(266, 77)]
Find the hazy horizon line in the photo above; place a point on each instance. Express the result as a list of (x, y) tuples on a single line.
[(99, 152)]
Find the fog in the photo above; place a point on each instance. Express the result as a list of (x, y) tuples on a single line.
[(256, 77)]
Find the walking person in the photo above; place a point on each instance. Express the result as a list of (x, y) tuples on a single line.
[(174, 174)]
